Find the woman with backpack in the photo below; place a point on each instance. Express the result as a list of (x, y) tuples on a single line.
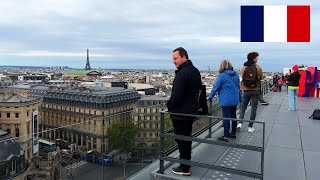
[(293, 86), (228, 88)]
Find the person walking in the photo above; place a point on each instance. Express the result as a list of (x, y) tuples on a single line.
[(293, 86), (184, 99), (250, 85), (228, 88)]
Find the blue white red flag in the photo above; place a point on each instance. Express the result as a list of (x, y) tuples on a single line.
[(275, 23)]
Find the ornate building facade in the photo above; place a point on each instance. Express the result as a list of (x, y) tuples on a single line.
[(16, 110), (146, 116), (83, 117), (13, 164)]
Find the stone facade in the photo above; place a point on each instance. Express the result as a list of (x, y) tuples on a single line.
[(16, 118)]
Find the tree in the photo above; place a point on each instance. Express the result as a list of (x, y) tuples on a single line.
[(168, 142), (302, 66), (121, 136)]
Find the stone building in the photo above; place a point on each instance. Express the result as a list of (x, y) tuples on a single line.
[(83, 117), (13, 164), (146, 116), (16, 110)]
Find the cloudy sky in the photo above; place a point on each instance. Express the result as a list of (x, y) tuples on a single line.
[(141, 34)]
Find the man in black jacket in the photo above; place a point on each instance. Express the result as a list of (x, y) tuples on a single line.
[(184, 99)]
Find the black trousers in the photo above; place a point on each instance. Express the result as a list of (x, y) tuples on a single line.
[(183, 127)]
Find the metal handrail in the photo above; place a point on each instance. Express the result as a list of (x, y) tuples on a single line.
[(163, 157)]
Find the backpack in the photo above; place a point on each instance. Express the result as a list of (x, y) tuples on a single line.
[(274, 89), (315, 114), (280, 81), (250, 77), (202, 101)]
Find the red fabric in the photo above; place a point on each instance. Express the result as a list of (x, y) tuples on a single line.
[(298, 24)]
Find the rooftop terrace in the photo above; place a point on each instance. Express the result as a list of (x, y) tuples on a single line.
[(292, 149)]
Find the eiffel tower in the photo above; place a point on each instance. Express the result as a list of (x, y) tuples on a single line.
[(88, 63)]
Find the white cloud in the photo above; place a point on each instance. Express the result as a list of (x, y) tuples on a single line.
[(132, 30), (52, 54)]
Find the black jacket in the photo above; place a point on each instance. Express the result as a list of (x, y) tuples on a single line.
[(185, 90), (294, 79)]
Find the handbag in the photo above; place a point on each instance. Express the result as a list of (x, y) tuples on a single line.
[(240, 93), (315, 114), (202, 101)]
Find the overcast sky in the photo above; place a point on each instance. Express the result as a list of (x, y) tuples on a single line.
[(141, 34)]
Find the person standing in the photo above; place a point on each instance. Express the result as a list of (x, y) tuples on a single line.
[(293, 86), (250, 85), (228, 88), (275, 80), (280, 84), (184, 99)]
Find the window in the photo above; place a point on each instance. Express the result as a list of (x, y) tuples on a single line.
[(13, 167), (94, 143), (17, 130), (8, 115), (157, 135), (0, 115), (17, 115), (144, 134), (150, 135)]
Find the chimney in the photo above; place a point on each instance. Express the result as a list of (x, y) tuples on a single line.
[(7, 95), (23, 93)]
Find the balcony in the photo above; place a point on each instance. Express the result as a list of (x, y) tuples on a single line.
[(290, 152)]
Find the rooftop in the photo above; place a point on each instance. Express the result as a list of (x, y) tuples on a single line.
[(291, 152)]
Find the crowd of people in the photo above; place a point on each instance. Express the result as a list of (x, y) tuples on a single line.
[(185, 97)]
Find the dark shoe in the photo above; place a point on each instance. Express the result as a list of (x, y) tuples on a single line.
[(223, 138), (264, 103), (232, 136), (179, 170)]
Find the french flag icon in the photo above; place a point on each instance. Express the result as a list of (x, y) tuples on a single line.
[(275, 23)]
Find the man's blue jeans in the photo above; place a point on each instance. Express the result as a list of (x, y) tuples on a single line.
[(292, 97), (229, 112)]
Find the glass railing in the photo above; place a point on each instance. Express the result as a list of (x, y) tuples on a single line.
[(206, 139), (76, 145), (79, 146)]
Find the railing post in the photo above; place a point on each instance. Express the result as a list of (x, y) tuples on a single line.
[(210, 119), (262, 153), (161, 143)]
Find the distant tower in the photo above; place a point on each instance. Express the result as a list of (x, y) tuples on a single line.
[(88, 63)]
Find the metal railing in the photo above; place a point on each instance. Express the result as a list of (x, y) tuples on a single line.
[(163, 157)]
